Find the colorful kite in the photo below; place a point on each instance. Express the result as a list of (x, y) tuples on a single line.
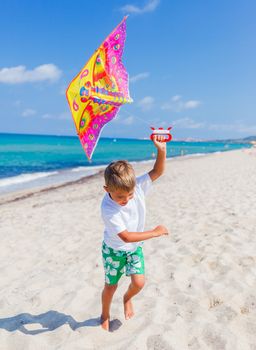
[(97, 92)]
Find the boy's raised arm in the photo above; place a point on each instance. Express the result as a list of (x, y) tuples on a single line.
[(159, 165)]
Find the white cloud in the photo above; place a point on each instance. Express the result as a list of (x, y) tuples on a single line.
[(129, 120), (120, 119), (17, 103), (191, 104), (236, 126), (167, 106), (61, 116), (48, 116), (20, 74), (149, 7), (187, 123), (138, 77), (176, 98), (176, 104), (146, 103), (28, 112)]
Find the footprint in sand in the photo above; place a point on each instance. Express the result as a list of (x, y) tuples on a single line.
[(246, 261), (215, 301), (212, 339), (225, 314), (156, 342), (193, 344), (251, 328), (250, 304)]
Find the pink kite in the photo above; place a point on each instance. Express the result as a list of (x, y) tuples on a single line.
[(97, 92)]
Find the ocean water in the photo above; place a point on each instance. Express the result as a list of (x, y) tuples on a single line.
[(38, 160)]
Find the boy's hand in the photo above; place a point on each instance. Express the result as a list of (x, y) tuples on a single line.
[(160, 230), (159, 142)]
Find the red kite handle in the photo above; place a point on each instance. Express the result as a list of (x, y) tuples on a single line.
[(161, 131)]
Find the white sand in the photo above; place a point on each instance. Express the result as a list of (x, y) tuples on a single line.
[(201, 280)]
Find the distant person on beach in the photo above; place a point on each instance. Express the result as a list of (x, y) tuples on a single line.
[(123, 212)]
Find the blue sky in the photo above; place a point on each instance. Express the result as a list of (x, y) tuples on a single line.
[(192, 64)]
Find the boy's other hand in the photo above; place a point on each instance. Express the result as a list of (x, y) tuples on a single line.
[(159, 142), (160, 230)]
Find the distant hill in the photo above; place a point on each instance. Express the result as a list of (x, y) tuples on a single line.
[(243, 140), (250, 138)]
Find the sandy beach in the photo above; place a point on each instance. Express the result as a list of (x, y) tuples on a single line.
[(201, 279)]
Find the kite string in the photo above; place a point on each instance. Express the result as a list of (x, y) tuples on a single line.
[(148, 125), (136, 117)]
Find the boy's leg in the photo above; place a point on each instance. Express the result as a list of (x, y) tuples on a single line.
[(114, 263), (134, 268), (137, 283), (107, 295)]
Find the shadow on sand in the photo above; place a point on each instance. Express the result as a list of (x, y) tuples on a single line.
[(49, 321)]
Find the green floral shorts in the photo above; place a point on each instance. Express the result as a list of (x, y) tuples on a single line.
[(116, 262)]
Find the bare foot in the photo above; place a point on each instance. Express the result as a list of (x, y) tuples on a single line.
[(128, 309), (104, 323)]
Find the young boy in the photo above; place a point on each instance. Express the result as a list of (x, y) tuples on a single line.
[(123, 212)]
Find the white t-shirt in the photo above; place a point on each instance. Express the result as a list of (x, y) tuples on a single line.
[(131, 217)]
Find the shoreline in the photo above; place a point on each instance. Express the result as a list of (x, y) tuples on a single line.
[(59, 178), (16, 195)]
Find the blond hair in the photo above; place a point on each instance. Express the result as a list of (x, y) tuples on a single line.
[(120, 176)]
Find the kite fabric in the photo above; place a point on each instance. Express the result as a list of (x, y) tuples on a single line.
[(97, 92)]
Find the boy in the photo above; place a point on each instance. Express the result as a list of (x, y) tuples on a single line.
[(123, 212)]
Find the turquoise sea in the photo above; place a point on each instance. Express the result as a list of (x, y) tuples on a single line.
[(35, 160)]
